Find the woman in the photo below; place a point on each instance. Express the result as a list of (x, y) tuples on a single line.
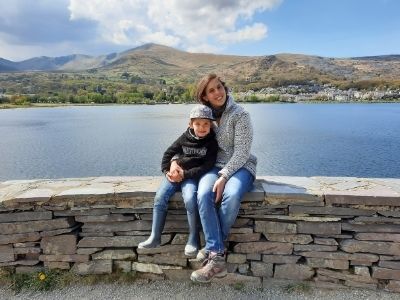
[(221, 189)]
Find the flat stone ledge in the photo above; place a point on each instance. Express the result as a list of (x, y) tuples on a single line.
[(139, 191)]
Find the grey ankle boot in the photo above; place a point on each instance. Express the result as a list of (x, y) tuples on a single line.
[(156, 229), (193, 243)]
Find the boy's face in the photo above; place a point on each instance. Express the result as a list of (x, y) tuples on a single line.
[(201, 127)]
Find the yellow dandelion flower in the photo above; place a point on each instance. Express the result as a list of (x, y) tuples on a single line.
[(42, 276)]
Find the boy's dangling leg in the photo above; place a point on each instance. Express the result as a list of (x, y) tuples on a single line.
[(193, 243), (164, 193), (156, 229), (189, 195)]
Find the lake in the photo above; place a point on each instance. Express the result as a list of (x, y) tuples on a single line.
[(361, 140)]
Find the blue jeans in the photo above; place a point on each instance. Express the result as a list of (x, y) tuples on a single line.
[(167, 189), (217, 221)]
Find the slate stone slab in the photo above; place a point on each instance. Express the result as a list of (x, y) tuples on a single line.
[(118, 254), (82, 212), (328, 263), (325, 241), (345, 275), (363, 271), (281, 259), (59, 231), (162, 249), (234, 258), (117, 226), (262, 269), (366, 199), (371, 227), (104, 218), (383, 273), (361, 285), (389, 264), (314, 248), (152, 268), (319, 228), (19, 238), (294, 272), (249, 237), (88, 251), (393, 286), (264, 248), (164, 259), (61, 244), (65, 257), (93, 267), (330, 211), (32, 226), (341, 255), (25, 216), (375, 220), (370, 247), (290, 238), (275, 227), (7, 253), (27, 250), (115, 241)]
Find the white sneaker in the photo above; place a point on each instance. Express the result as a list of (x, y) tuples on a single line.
[(190, 250), (202, 255)]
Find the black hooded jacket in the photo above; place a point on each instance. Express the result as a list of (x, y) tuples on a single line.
[(196, 155)]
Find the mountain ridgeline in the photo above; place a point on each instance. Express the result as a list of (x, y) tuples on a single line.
[(152, 61)]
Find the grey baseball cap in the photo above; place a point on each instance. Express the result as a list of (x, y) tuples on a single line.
[(201, 111)]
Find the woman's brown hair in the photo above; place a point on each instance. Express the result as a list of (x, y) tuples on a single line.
[(201, 86)]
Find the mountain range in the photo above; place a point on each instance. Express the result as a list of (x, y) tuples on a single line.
[(157, 61)]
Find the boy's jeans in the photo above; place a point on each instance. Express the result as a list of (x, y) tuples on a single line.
[(167, 189), (217, 222)]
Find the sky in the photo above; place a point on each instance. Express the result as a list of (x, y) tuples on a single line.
[(330, 28)]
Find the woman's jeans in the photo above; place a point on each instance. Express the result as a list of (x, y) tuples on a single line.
[(217, 219)]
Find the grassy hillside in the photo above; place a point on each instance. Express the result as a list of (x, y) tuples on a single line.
[(168, 74)]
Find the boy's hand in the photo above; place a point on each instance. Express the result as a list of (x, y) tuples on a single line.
[(175, 173)]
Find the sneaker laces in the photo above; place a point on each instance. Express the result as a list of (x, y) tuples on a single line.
[(205, 261)]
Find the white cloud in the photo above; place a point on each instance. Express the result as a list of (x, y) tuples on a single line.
[(194, 25), (61, 27), (18, 52), (255, 32)]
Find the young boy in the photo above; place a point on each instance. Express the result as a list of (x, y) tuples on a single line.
[(196, 152)]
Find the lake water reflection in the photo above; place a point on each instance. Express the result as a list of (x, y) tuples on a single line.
[(361, 140)]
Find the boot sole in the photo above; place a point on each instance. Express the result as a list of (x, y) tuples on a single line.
[(191, 254), (148, 247), (219, 275)]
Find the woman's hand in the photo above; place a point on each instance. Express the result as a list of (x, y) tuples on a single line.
[(218, 188), (175, 173)]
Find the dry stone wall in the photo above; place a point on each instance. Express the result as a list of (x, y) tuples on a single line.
[(328, 231)]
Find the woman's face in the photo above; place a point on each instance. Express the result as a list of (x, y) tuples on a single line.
[(215, 93)]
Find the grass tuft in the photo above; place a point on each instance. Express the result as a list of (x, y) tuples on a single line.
[(298, 287), (238, 286), (57, 279)]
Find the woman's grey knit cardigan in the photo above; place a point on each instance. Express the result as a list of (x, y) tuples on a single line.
[(235, 136)]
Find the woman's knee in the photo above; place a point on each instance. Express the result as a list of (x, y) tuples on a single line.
[(206, 183)]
